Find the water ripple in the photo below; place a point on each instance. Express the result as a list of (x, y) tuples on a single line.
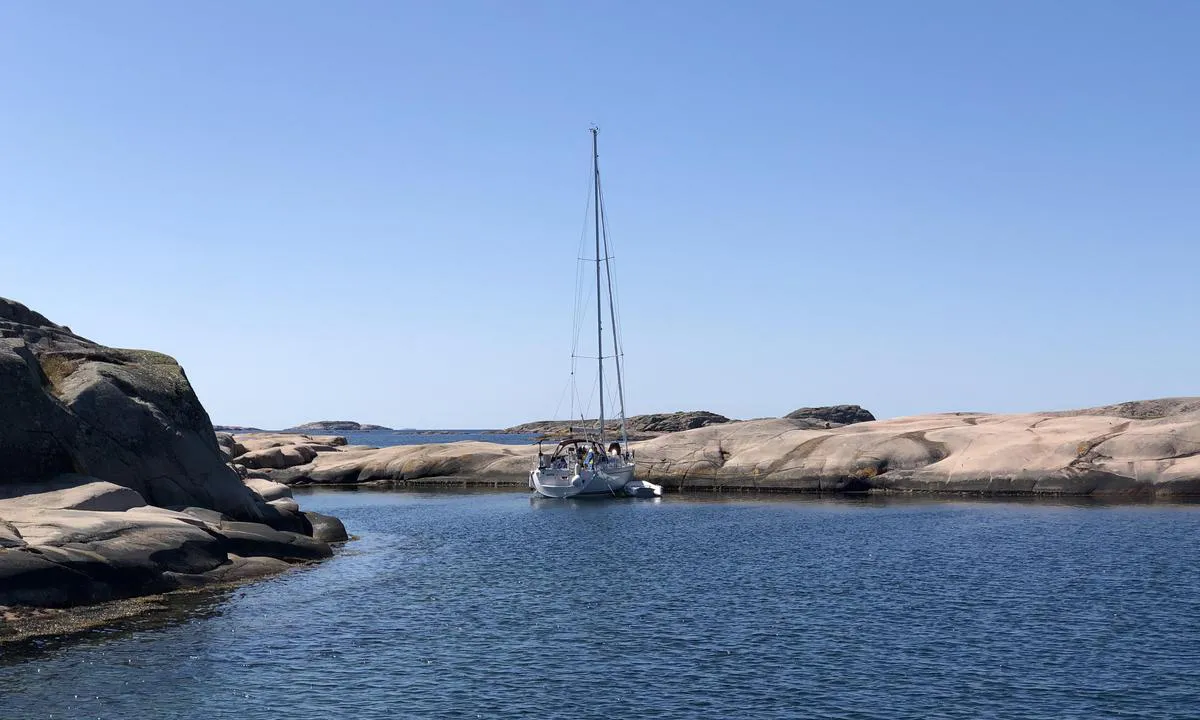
[(488, 605)]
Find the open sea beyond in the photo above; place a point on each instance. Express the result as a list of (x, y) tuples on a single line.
[(385, 438), (497, 605)]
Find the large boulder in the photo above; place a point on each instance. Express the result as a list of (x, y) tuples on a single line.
[(675, 422), (327, 528), (267, 489), (277, 458), (128, 417), (69, 492), (833, 414), (96, 445), (57, 557), (230, 448)]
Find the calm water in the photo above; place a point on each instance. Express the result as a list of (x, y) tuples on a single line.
[(492, 605)]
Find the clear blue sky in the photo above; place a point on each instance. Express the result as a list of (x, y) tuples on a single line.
[(370, 210)]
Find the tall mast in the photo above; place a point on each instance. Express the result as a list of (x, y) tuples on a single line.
[(599, 306), (612, 320)]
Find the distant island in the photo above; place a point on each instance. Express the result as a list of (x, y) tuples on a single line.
[(327, 426), (641, 427), (638, 426)]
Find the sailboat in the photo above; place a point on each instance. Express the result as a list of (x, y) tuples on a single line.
[(590, 463)]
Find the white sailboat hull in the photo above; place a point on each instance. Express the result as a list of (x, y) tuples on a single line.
[(605, 478)]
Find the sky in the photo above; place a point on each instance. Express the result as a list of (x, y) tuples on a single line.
[(372, 210)]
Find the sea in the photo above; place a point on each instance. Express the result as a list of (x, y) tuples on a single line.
[(495, 604), (385, 438)]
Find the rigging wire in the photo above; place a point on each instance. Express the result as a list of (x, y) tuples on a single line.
[(614, 312), (562, 396), (577, 311)]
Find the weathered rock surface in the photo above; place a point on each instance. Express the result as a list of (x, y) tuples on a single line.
[(96, 444), (1078, 453), (335, 426), (69, 492), (67, 555), (278, 457), (229, 447), (268, 490), (676, 422), (833, 414), (1144, 448), (327, 528), (128, 417), (1141, 409), (10, 537), (254, 442), (448, 463)]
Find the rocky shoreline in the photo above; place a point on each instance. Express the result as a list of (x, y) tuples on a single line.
[(113, 485), (1139, 449)]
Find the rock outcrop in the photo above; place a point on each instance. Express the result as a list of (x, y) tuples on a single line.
[(1147, 448), (93, 541), (327, 528), (675, 422), (129, 417), (458, 463), (833, 414), (1079, 453), (112, 481), (638, 426)]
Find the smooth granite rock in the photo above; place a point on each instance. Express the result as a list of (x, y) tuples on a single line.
[(434, 462), (327, 528), (70, 492), (10, 537), (277, 458), (128, 417), (138, 551), (1146, 448), (96, 446), (28, 578), (229, 447), (247, 539), (268, 490), (1045, 453), (253, 442)]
